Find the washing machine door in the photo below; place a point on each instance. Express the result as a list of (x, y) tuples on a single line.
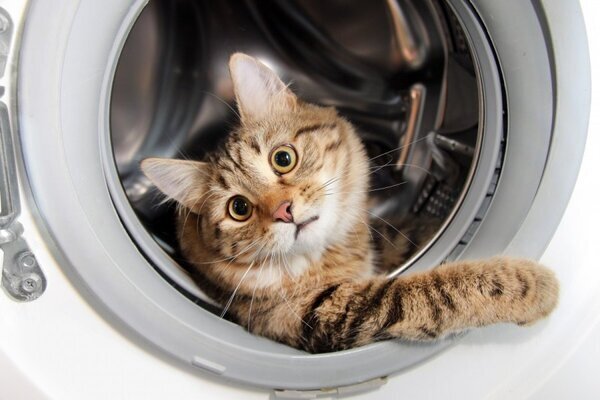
[(77, 175)]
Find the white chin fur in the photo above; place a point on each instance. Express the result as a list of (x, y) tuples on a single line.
[(293, 255), (284, 237), (314, 238)]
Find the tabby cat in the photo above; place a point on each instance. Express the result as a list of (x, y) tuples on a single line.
[(275, 227)]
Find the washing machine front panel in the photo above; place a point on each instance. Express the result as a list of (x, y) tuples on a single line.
[(99, 254)]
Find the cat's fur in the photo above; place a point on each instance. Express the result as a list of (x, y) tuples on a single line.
[(316, 288)]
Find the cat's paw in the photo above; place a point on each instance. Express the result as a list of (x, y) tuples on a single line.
[(535, 289)]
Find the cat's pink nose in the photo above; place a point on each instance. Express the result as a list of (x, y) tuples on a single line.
[(284, 212)]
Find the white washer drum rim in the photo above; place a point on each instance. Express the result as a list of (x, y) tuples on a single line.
[(66, 170)]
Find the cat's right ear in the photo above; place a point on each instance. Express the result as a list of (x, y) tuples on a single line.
[(258, 89), (180, 180)]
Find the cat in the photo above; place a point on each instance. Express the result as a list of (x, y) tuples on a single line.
[(275, 227)]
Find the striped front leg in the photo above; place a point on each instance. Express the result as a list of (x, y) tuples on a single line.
[(425, 306)]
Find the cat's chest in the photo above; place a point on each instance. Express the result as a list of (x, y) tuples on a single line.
[(344, 263), (304, 271)]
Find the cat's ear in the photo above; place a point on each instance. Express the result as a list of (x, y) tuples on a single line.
[(258, 89), (180, 180)]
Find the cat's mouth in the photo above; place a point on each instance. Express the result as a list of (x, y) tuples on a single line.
[(304, 224)]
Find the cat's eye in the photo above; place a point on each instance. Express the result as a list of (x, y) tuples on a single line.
[(239, 208), (284, 159)]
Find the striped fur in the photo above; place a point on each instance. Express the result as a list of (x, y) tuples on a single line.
[(317, 288)]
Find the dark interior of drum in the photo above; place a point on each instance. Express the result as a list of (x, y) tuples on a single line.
[(401, 71)]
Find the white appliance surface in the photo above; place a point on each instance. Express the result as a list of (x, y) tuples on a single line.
[(58, 347)]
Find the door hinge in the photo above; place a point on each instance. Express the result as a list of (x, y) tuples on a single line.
[(22, 278)]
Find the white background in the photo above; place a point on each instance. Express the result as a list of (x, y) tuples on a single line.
[(58, 347)]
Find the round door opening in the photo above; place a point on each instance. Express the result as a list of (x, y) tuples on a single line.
[(164, 89), (402, 72)]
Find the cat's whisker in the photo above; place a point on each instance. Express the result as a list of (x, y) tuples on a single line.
[(235, 290), (222, 101), (369, 226), (380, 167), (390, 225), (281, 258), (428, 172), (388, 162), (282, 294), (231, 258), (343, 175), (290, 269), (375, 169), (296, 287), (256, 252), (188, 214), (359, 216), (214, 193), (329, 182), (372, 170), (280, 262), (285, 88), (260, 271), (324, 186), (398, 148), (370, 234), (183, 155), (181, 209), (371, 190), (234, 258), (200, 209)]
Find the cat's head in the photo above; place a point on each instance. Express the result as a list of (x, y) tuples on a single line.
[(291, 179)]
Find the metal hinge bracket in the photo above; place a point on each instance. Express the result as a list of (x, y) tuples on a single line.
[(22, 278)]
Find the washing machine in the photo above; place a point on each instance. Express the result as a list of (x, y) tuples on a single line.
[(485, 110)]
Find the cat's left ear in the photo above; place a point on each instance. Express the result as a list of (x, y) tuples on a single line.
[(258, 90), (180, 180)]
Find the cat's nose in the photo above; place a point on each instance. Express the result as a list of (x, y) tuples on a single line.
[(284, 212)]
